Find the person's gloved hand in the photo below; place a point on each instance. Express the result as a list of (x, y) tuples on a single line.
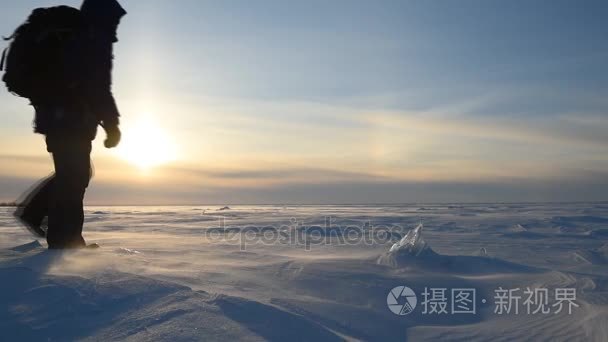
[(112, 136)]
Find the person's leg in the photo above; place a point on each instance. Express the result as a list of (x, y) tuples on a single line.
[(35, 207), (72, 173)]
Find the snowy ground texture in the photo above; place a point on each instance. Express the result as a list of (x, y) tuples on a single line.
[(310, 273)]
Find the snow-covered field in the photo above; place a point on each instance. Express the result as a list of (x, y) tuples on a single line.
[(315, 273)]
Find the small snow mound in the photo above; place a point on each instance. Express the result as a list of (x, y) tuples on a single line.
[(27, 247), (411, 247), (598, 256), (588, 257), (127, 251), (518, 228), (412, 252), (482, 252)]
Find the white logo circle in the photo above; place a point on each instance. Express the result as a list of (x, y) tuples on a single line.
[(401, 300)]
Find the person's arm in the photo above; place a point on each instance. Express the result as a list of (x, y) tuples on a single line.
[(98, 88), (103, 16)]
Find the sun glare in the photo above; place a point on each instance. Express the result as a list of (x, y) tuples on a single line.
[(146, 145)]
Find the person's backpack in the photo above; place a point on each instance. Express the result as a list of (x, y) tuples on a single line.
[(34, 63)]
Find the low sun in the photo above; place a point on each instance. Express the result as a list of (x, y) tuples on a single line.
[(145, 144)]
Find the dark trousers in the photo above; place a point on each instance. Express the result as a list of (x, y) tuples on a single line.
[(60, 197)]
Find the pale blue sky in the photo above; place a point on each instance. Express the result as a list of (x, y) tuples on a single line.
[(348, 101)]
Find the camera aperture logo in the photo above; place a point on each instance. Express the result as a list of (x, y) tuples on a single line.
[(401, 300)]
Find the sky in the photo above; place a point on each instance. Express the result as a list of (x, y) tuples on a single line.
[(289, 102)]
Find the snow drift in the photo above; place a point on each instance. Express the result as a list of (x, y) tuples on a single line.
[(158, 275)]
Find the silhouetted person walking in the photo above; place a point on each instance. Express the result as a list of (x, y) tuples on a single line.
[(66, 74)]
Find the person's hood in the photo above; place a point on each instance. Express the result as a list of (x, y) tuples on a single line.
[(102, 12)]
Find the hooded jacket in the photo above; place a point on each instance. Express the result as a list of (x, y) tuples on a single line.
[(102, 18), (103, 15)]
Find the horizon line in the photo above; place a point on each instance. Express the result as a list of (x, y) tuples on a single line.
[(347, 204), (13, 204)]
